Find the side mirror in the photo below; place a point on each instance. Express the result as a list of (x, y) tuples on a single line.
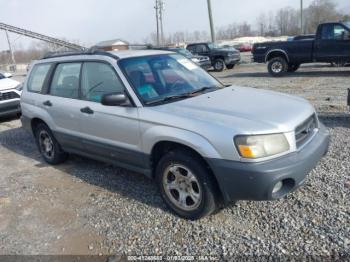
[(115, 99)]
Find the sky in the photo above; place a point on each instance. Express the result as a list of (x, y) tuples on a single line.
[(92, 21)]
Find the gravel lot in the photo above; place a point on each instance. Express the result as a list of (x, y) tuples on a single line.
[(88, 207)]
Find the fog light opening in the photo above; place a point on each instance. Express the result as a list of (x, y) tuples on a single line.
[(277, 187)]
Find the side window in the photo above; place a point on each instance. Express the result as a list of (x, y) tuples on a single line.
[(99, 79), (333, 32), (37, 77), (201, 49), (1, 76), (65, 82)]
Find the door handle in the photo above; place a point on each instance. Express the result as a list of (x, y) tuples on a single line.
[(87, 110), (47, 103)]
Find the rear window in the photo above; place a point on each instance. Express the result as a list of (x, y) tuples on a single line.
[(65, 82), (37, 77)]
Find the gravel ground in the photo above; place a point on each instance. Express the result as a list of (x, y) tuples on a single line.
[(87, 207)]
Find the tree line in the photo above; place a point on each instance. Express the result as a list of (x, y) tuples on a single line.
[(283, 22)]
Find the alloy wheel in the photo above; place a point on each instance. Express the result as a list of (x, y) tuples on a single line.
[(277, 67), (182, 187), (46, 144)]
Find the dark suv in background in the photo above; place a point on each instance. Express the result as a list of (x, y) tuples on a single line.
[(202, 61), (219, 57)]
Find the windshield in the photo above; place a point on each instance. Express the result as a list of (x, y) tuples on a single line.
[(160, 77), (347, 24), (213, 46)]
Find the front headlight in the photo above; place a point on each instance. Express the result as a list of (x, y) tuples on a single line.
[(195, 60), (259, 146)]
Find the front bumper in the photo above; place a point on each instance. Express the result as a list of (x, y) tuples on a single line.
[(232, 60), (9, 107), (255, 181), (205, 65)]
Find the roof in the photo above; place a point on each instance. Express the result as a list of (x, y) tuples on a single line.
[(113, 42), (199, 43), (113, 54), (138, 53)]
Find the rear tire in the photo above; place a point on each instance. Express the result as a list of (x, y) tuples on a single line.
[(219, 65), (186, 185), (230, 66), (277, 66), (48, 146)]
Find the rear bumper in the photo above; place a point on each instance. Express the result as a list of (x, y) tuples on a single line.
[(255, 181), (26, 123), (258, 58), (10, 107)]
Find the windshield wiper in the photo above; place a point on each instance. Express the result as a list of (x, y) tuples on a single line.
[(169, 98), (203, 89), (185, 95)]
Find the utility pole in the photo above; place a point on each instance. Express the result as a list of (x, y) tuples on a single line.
[(157, 18), (212, 30), (161, 9), (10, 48), (301, 17)]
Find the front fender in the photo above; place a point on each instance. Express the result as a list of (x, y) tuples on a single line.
[(195, 141)]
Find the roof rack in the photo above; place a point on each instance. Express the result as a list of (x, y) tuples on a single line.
[(91, 51)]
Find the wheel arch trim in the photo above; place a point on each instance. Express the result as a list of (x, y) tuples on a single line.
[(276, 51), (168, 134)]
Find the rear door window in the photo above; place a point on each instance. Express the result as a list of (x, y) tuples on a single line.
[(65, 82), (37, 77)]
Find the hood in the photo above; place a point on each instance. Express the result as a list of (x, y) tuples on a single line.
[(7, 83), (246, 110)]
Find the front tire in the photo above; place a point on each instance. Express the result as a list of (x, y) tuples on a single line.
[(48, 146), (277, 66), (219, 65), (186, 185)]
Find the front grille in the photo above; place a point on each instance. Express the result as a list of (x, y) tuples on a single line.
[(204, 59), (305, 131), (8, 96)]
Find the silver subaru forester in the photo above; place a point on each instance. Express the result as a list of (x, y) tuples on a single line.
[(158, 113)]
